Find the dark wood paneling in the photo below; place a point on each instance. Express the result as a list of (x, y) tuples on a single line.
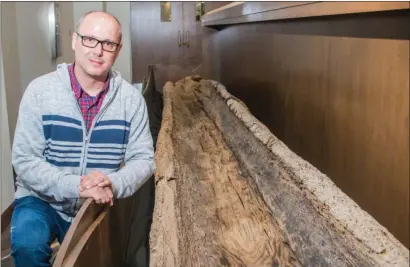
[(210, 57), (341, 103), (389, 24), (155, 42), (193, 36), (158, 43)]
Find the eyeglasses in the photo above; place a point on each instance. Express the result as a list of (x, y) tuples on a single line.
[(91, 42)]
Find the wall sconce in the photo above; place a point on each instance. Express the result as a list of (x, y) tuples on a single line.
[(54, 29)]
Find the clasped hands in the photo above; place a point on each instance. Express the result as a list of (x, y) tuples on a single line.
[(97, 186)]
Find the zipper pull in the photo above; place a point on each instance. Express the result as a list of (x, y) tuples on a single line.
[(86, 139)]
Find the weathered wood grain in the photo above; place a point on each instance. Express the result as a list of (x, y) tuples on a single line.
[(230, 193), (207, 212)]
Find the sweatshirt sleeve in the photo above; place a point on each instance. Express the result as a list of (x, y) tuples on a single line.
[(31, 167), (139, 155)]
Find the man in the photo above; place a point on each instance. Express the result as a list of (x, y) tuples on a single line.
[(76, 126)]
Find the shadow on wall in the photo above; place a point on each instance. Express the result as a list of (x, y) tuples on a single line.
[(294, 112), (259, 97), (168, 72)]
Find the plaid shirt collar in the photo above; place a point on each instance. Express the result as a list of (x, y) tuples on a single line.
[(78, 90)]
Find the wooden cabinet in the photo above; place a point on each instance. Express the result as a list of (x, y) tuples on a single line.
[(193, 39), (172, 46)]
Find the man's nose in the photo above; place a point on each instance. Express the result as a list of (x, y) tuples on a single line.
[(98, 49)]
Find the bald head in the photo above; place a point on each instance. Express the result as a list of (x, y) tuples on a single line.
[(100, 17), (96, 43)]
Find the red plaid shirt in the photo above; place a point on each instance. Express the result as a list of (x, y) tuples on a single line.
[(89, 105)]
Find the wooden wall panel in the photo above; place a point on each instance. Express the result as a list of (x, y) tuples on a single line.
[(155, 42), (210, 57), (212, 5), (339, 101)]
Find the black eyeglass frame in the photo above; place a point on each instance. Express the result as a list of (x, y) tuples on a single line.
[(98, 42)]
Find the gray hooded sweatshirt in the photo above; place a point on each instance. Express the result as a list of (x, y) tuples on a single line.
[(52, 148)]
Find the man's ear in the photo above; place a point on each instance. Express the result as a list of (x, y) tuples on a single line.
[(73, 41), (119, 49)]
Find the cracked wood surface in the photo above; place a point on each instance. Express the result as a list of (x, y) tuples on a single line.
[(224, 196), (210, 214)]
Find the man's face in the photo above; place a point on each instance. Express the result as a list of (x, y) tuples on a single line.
[(95, 61)]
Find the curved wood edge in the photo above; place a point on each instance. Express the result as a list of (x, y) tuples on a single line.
[(6, 218), (165, 167), (5, 232), (78, 249), (85, 217)]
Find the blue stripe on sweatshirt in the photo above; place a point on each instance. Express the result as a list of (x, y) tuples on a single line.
[(62, 133), (113, 122), (102, 166), (105, 153), (64, 163), (64, 151), (110, 136)]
